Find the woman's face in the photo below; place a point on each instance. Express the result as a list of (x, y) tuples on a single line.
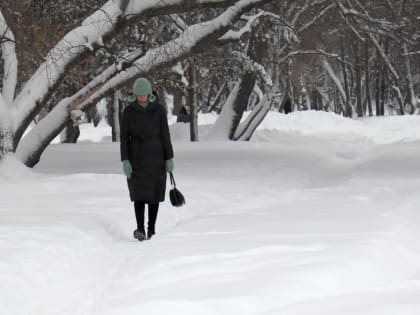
[(142, 98)]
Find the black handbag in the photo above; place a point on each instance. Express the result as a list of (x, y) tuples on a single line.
[(176, 197)]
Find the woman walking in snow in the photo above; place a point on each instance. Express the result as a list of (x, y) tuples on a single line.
[(146, 154)]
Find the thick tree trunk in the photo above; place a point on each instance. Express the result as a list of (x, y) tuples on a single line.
[(177, 95), (114, 115), (6, 142), (193, 102), (34, 143), (72, 133), (248, 127), (228, 121), (239, 105)]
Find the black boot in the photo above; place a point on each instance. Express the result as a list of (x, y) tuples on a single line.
[(153, 212), (150, 233), (139, 235)]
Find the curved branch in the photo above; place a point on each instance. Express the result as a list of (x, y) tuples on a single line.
[(194, 39), (94, 31)]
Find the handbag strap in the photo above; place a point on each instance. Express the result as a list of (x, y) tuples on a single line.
[(172, 179)]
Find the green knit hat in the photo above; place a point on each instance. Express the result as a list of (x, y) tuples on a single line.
[(142, 86)]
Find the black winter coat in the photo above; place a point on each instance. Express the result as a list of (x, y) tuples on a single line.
[(146, 143)]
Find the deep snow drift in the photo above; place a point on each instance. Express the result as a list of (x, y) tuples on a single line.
[(317, 215)]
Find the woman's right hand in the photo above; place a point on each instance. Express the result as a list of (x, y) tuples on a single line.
[(128, 170)]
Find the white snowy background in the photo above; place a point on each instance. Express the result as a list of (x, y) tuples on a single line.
[(318, 214)]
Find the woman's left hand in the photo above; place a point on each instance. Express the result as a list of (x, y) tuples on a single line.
[(169, 164)]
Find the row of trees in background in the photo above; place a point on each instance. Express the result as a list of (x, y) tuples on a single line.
[(59, 59)]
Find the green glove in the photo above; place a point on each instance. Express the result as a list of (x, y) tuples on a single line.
[(169, 164), (128, 170)]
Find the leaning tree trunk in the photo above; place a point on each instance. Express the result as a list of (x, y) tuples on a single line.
[(233, 109), (71, 133), (177, 94), (239, 105), (247, 128)]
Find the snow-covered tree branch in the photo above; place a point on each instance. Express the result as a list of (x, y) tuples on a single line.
[(94, 32), (193, 39)]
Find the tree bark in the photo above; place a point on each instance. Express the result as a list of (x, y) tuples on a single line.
[(6, 142), (348, 110), (6, 132), (358, 79), (193, 102), (411, 93), (114, 115), (72, 133), (378, 86), (367, 81)]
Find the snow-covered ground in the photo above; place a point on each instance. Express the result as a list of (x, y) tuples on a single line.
[(317, 215)]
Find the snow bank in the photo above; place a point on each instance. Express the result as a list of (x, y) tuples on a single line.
[(308, 226), (276, 126), (11, 168), (381, 130), (304, 224)]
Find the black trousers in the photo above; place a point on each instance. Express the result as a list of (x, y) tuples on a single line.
[(153, 212)]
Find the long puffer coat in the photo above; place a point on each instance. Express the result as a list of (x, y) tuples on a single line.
[(146, 143)]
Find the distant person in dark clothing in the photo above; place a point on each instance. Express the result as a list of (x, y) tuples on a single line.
[(287, 106), (184, 114), (146, 153)]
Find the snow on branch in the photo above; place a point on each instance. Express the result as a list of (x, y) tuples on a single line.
[(251, 65), (111, 18), (58, 58), (365, 17), (334, 77), (309, 52), (384, 57), (308, 24), (252, 21), (176, 49), (115, 76), (316, 18), (412, 53), (8, 53), (300, 12)]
